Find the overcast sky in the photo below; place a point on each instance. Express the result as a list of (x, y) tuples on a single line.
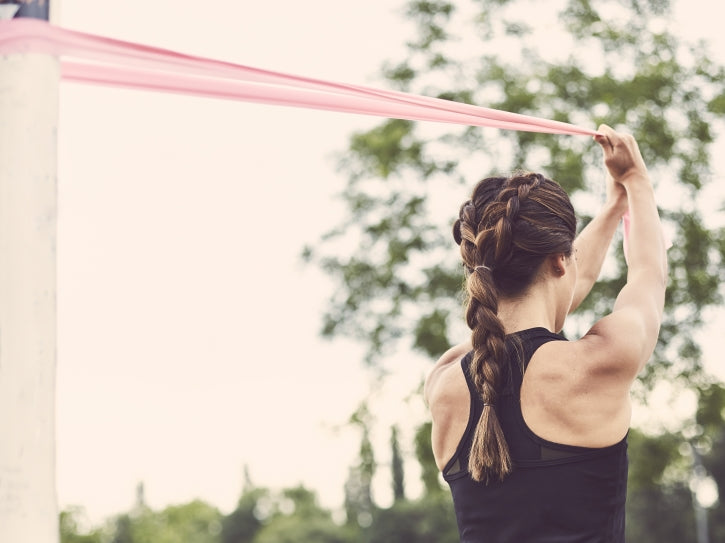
[(188, 329)]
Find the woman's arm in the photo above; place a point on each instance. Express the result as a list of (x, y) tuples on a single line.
[(624, 340), (592, 243)]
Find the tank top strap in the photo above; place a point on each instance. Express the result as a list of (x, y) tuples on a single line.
[(520, 347)]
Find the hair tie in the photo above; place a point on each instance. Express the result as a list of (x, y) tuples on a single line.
[(482, 267)]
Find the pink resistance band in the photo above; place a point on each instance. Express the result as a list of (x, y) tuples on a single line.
[(106, 61), (95, 59)]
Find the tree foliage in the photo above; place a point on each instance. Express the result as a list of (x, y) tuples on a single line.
[(193, 522), (301, 519), (427, 520), (241, 525), (660, 502), (396, 269), (359, 502), (396, 466), (616, 63), (70, 521)]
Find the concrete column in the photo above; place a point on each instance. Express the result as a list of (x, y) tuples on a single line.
[(28, 184)]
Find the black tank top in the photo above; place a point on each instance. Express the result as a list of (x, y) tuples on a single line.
[(555, 493)]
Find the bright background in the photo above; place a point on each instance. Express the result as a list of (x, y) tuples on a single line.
[(188, 327)]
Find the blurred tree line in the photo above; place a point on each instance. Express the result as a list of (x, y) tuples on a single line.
[(661, 501), (398, 279)]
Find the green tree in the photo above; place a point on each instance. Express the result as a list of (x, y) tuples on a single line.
[(194, 522), (359, 503), (70, 531), (710, 443), (123, 529), (424, 454), (396, 466), (242, 524), (619, 63), (293, 529), (659, 501), (660, 504), (298, 517), (427, 520)]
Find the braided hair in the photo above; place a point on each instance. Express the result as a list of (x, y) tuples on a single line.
[(505, 231)]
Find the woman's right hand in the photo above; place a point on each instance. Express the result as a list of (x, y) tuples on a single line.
[(621, 156)]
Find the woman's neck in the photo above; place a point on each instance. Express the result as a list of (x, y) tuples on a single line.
[(536, 308)]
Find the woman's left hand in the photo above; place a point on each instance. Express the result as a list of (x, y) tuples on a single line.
[(616, 196)]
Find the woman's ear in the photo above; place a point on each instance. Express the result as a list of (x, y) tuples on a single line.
[(557, 264)]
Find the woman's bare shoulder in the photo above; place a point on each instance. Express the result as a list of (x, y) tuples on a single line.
[(442, 371), (446, 394)]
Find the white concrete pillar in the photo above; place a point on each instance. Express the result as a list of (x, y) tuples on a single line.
[(28, 184)]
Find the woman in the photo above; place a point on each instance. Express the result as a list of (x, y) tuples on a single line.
[(529, 429)]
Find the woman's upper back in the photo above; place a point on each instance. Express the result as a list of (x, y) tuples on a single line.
[(556, 491), (569, 394)]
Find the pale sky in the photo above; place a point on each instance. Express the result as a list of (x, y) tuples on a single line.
[(188, 329)]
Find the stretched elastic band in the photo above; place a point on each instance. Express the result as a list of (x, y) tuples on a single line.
[(99, 60)]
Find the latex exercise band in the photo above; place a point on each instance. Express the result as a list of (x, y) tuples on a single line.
[(107, 61), (119, 63)]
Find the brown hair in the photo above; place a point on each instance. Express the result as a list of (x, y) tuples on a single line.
[(505, 231)]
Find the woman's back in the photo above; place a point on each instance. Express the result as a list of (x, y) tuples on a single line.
[(555, 492)]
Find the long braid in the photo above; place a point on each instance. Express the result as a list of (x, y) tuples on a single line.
[(489, 457), (486, 232)]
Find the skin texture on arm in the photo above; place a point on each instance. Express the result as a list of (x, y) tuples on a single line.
[(593, 241)]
